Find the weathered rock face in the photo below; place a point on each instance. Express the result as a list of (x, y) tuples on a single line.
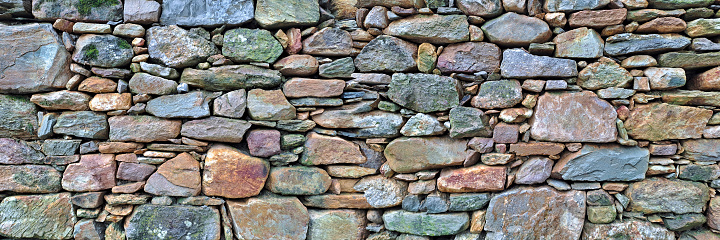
[(567, 5), (702, 149), (105, 11), (18, 118), (143, 83), (424, 224), (85, 124), (436, 29), (179, 176), (482, 8), (628, 43), (142, 128), (469, 122), (298, 180), (190, 105), (177, 47), (233, 77), (269, 105), (579, 43), (269, 216), (603, 163), (323, 150), (232, 174), (152, 222), (517, 63), (361, 121), (519, 213), (282, 14), (251, 45), (604, 73), (336, 224), (329, 41), (660, 121), (48, 216), (30, 179), (632, 229), (387, 54), (661, 195), (93, 173), (439, 94), (558, 118), (18, 152), (206, 13), (498, 94), (102, 51), (469, 57), (526, 30), (478, 178), (62, 100), (382, 192), (34, 59), (216, 129), (405, 155)]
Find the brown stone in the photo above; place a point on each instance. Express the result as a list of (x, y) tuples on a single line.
[(661, 121), (143, 128), (663, 25), (306, 87), (179, 176), (111, 101), (597, 18), (29, 179), (97, 85), (536, 148), (62, 100), (269, 216), (573, 117), (94, 172), (332, 201), (505, 133), (478, 178), (469, 57), (298, 180), (134, 171), (713, 213), (323, 150), (708, 80), (118, 147), (661, 195), (294, 41), (263, 143), (230, 173), (297, 65), (406, 155), (333, 42)]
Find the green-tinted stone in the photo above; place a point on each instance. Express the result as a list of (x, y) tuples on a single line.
[(173, 222), (79, 10), (689, 60), (678, 4), (436, 29), (498, 94), (341, 68), (29, 179), (287, 13), (336, 224), (407, 155), (699, 173), (298, 180), (659, 195), (692, 98), (469, 122), (685, 221), (695, 13), (48, 216), (102, 51), (388, 106), (644, 15), (603, 74), (233, 77), (601, 214), (462, 202), (289, 141), (427, 57), (18, 117), (424, 92), (251, 45), (426, 224)]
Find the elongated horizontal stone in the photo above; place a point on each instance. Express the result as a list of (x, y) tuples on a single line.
[(269, 216), (142, 128), (233, 77), (628, 43), (437, 29), (406, 155), (323, 150), (691, 98), (333, 201), (49, 216), (30, 179), (689, 60), (146, 221), (517, 63), (478, 178), (360, 120), (661, 121), (603, 163), (661, 195), (305, 87), (424, 224), (702, 149), (218, 129), (298, 180)]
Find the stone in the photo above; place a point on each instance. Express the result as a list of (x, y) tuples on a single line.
[(361, 120), (179, 176), (387, 54), (206, 13), (665, 78), (535, 170), (478, 178), (689, 60), (88, 229), (559, 118), (195, 104), (298, 180), (527, 30), (663, 25), (251, 45), (263, 143), (382, 192), (269, 216), (440, 93), (221, 178), (601, 214), (698, 173), (701, 149), (461, 202), (603, 163), (517, 63), (407, 155), (324, 150), (269, 105), (36, 62), (694, 98), (233, 77), (151, 222), (579, 43), (536, 148), (143, 83), (603, 74), (18, 152), (336, 224), (306, 87), (30, 179), (678, 4), (283, 14), (435, 29), (425, 224), (498, 94), (520, 212), (661, 121), (134, 171), (341, 68), (231, 104), (297, 65), (141, 11), (102, 51), (597, 18), (496, 158), (142, 128), (469, 122), (78, 11), (216, 129), (630, 229), (97, 85), (566, 5), (331, 42), (62, 100), (159, 70), (60, 147), (422, 125), (333, 201), (94, 172), (614, 92), (427, 58), (707, 80), (639, 61), (177, 48), (482, 8), (49, 216), (111, 102), (660, 195), (628, 43), (469, 57), (703, 28), (19, 117)]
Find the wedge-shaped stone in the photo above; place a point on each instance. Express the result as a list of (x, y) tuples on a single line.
[(179, 176), (662, 121), (324, 150), (573, 117), (603, 163), (662, 195), (406, 155)]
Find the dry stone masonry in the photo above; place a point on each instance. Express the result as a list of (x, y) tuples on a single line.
[(360, 119)]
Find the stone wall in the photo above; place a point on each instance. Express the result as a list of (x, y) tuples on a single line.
[(359, 119)]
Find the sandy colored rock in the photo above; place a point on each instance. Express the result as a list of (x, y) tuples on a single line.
[(232, 174), (323, 150), (179, 176), (93, 173), (660, 121), (559, 117), (298, 180), (306, 87), (597, 18), (407, 155), (478, 178), (269, 216), (142, 128)]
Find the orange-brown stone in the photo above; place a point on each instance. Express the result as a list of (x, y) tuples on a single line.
[(536, 148), (332, 201), (230, 173), (322, 150), (306, 87), (111, 102), (478, 178), (97, 85)]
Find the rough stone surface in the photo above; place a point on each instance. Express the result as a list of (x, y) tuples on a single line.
[(206, 13), (406, 155), (382, 192), (195, 104), (251, 45), (482, 8), (702, 149), (78, 11), (48, 216), (526, 30), (30, 179), (269, 105), (269, 216), (628, 43), (387, 54), (332, 42), (282, 14), (93, 173), (567, 5), (298, 180), (361, 121), (659, 195), (142, 128), (632, 229), (177, 47), (143, 83), (436, 29), (439, 94), (478, 178), (216, 129), (557, 118), (151, 222), (469, 122), (179, 176), (233, 77), (323, 150), (604, 74), (469, 57), (579, 43), (230, 173), (603, 163), (498, 94), (102, 51), (424, 224), (660, 121), (517, 63), (336, 224)]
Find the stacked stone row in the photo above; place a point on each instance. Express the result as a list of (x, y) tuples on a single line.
[(365, 119)]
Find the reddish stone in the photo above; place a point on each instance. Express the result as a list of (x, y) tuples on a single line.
[(143, 128), (264, 143), (294, 41), (470, 57), (478, 178), (661, 121), (536, 148), (663, 25), (63, 25), (305, 87), (98, 85), (179, 176), (323, 150), (128, 188), (118, 147), (230, 173), (94, 172), (297, 65), (134, 171), (506, 133), (708, 80), (269, 217), (573, 117), (597, 18), (663, 149)]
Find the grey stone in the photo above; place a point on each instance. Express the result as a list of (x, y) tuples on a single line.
[(482, 8), (526, 30), (579, 43), (189, 105), (422, 125), (631, 229), (533, 171), (233, 77), (152, 222), (84, 124), (603, 163), (678, 4), (106, 51), (341, 68), (105, 11), (517, 63), (573, 5), (661, 195), (176, 47), (48, 216), (251, 45), (206, 12), (498, 94), (143, 83), (463, 202), (285, 14), (436, 29), (411, 203), (469, 122), (684, 222), (159, 70), (387, 54), (361, 120), (60, 147), (436, 203), (18, 118), (216, 129), (438, 93), (231, 104), (30, 179), (425, 224), (382, 192), (628, 43)]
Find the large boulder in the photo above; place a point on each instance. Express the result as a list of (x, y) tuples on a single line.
[(206, 12), (573, 117)]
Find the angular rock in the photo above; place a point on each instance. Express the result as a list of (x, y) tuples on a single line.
[(231, 174), (233, 77), (482, 8), (438, 94), (251, 45), (18, 118), (407, 155), (665, 78), (579, 43), (336, 224), (498, 94), (94, 11), (519, 213), (631, 229), (142, 128), (517, 63), (469, 122), (306, 87), (97, 85), (387, 54), (94, 172), (30, 179), (187, 222), (526, 30), (661, 195), (269, 216), (661, 121), (106, 51), (382, 192), (323, 150), (269, 105), (702, 149), (49, 216), (206, 13), (597, 18), (231, 104), (663, 25), (195, 104), (18, 152), (422, 125), (331, 42), (693, 98), (84, 124), (134, 171), (341, 68), (361, 121), (285, 14), (628, 43), (298, 180), (568, 5), (478, 178), (141, 11), (218, 129), (469, 57), (177, 47), (703, 28), (603, 74), (689, 60), (263, 143), (603, 163), (111, 102), (34, 59), (143, 83), (573, 117), (708, 80), (424, 224), (179, 176), (297, 65), (534, 171), (62, 100), (89, 229), (435, 29), (678, 4)]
